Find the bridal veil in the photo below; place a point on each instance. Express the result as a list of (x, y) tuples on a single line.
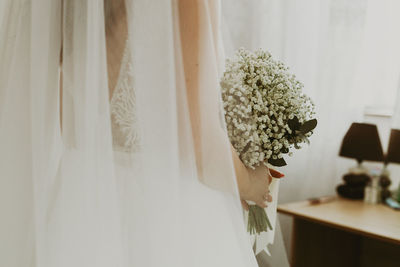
[(68, 197)]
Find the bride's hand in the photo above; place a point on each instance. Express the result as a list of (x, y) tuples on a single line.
[(257, 189)]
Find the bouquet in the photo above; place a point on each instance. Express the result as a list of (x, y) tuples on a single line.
[(267, 115)]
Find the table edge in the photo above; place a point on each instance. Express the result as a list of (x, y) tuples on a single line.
[(340, 227)]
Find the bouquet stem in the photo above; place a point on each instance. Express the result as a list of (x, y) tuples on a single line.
[(258, 220)]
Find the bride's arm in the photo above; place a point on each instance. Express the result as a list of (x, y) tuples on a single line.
[(253, 184), (247, 183)]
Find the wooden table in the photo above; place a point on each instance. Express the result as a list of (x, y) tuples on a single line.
[(344, 233)]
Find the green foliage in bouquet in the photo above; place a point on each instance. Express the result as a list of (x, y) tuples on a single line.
[(258, 220), (267, 114), (298, 131)]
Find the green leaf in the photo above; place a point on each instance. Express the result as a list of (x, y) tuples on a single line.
[(308, 126), (277, 162), (284, 150), (294, 124)]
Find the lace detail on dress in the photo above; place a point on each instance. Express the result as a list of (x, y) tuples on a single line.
[(123, 110)]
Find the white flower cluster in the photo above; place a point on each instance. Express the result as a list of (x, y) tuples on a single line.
[(261, 100)]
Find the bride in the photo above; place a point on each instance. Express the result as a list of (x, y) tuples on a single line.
[(113, 148)]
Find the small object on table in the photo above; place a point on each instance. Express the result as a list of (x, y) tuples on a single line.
[(373, 190), (398, 194), (320, 200), (384, 182), (385, 193), (393, 203)]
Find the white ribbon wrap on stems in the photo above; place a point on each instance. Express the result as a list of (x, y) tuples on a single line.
[(262, 240)]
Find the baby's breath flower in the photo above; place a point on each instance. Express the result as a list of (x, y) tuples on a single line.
[(260, 96)]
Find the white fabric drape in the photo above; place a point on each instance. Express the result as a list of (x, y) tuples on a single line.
[(67, 197), (16, 190)]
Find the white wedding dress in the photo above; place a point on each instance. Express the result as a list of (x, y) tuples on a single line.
[(202, 207), (123, 111), (141, 181)]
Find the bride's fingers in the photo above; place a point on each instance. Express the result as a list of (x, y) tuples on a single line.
[(244, 204), (268, 197), (276, 174), (261, 204)]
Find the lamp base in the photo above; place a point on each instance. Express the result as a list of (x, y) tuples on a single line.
[(354, 183), (352, 192), (351, 179), (359, 169)]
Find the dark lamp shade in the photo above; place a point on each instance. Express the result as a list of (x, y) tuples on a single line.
[(362, 142), (393, 153)]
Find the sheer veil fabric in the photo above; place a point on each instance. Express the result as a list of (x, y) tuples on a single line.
[(68, 197), (253, 25)]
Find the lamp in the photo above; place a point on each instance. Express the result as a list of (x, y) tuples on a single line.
[(393, 153), (361, 142), (392, 156)]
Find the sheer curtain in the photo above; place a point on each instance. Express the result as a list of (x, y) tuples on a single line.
[(345, 52)]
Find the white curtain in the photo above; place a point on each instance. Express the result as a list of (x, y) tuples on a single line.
[(347, 55)]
